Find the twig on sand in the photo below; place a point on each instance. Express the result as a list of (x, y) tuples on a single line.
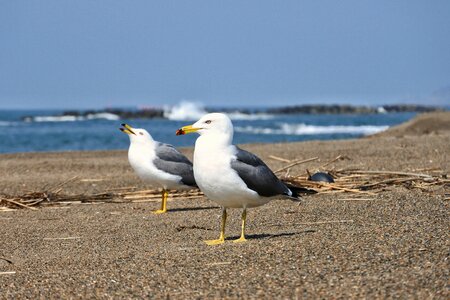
[(279, 158), (396, 180), (7, 260), (357, 199), (92, 179), (57, 188), (4, 209), (297, 162), (127, 188), (63, 238), (332, 186), (393, 173), (8, 273), (222, 263), (17, 203), (331, 161), (350, 180)]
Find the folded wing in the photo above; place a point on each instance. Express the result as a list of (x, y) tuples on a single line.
[(257, 175), (170, 160)]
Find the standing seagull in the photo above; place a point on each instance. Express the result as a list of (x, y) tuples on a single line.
[(228, 175), (159, 164)]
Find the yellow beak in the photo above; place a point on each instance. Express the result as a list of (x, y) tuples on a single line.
[(186, 130), (128, 129)]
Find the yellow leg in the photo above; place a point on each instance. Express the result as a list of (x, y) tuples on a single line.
[(221, 238), (163, 209), (242, 238)]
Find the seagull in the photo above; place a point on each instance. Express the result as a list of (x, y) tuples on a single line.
[(228, 175), (159, 164)]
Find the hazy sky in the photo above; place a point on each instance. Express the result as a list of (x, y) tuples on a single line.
[(95, 54)]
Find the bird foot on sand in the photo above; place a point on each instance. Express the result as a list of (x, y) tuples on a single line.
[(159, 211), (240, 240), (215, 242)]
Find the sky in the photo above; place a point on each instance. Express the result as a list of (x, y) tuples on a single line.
[(98, 54)]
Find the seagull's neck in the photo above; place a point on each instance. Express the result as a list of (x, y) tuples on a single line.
[(142, 148), (213, 142)]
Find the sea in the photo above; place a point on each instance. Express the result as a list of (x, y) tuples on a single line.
[(47, 130)]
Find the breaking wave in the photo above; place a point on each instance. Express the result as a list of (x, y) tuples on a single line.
[(72, 118), (192, 111), (303, 129), (250, 117), (185, 111)]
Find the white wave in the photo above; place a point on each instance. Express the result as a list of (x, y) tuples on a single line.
[(381, 110), (71, 118), (192, 111), (56, 118), (103, 116), (243, 116), (185, 111), (303, 129)]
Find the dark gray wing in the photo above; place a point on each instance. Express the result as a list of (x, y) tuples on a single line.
[(257, 175), (170, 160)]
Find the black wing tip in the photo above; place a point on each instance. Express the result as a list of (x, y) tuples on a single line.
[(297, 192), (190, 184)]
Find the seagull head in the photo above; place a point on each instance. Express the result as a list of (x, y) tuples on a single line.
[(137, 135), (210, 124)]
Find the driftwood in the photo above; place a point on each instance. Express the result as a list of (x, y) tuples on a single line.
[(351, 180), (56, 197)]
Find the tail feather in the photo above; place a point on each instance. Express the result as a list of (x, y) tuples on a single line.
[(297, 191)]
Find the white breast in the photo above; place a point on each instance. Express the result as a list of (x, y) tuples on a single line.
[(141, 160), (216, 178)]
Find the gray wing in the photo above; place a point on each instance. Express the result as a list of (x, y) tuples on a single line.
[(257, 175), (170, 160)]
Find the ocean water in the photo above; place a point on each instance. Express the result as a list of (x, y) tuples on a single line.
[(101, 131)]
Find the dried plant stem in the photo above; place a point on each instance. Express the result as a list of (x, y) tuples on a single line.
[(347, 189), (396, 180), (331, 161), (18, 203), (297, 162), (357, 199), (394, 173), (279, 158)]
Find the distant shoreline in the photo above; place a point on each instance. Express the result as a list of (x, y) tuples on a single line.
[(153, 113)]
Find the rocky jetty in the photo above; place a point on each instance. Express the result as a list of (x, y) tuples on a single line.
[(151, 113), (350, 109)]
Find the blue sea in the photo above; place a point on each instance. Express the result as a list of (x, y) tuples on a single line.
[(45, 132)]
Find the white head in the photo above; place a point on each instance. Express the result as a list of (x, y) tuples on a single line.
[(137, 135), (213, 124)]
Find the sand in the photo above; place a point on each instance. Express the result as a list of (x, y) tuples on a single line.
[(395, 245)]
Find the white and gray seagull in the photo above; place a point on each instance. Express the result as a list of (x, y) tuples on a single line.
[(160, 165), (228, 175)]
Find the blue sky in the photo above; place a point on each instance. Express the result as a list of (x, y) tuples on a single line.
[(95, 54)]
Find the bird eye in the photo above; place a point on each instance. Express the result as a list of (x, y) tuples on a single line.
[(208, 121), (141, 133)]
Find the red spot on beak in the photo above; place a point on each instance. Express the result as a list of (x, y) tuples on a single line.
[(180, 132)]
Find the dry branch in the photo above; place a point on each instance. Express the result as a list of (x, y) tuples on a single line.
[(297, 162), (279, 158), (17, 203), (349, 181), (393, 173), (331, 161)]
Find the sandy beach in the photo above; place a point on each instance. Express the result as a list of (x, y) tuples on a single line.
[(393, 244)]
